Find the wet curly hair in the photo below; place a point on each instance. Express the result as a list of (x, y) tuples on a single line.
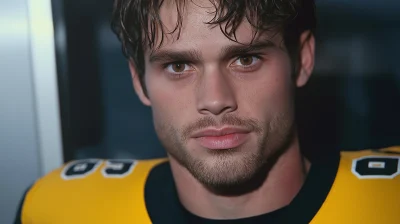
[(137, 23)]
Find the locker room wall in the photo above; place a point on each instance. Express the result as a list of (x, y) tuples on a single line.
[(29, 131), (18, 142)]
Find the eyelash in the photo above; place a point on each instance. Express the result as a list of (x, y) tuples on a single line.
[(179, 75), (258, 56), (175, 75), (248, 68)]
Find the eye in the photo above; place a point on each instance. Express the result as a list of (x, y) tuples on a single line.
[(246, 61), (178, 67)]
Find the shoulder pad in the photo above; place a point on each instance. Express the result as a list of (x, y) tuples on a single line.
[(90, 191), (373, 163), (365, 190)]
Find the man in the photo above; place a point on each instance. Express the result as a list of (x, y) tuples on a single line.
[(220, 77)]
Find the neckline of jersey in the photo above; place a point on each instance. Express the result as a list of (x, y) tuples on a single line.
[(163, 204)]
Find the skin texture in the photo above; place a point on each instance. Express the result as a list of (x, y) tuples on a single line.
[(202, 81)]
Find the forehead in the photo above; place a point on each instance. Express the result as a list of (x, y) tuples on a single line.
[(187, 26)]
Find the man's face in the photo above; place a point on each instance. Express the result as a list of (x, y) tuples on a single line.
[(220, 108)]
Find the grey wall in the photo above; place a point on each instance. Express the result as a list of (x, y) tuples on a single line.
[(19, 162), (29, 132)]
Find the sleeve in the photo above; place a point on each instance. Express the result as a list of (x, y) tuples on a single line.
[(18, 219)]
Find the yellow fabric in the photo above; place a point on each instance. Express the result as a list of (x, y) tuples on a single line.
[(361, 201), (98, 199), (92, 199)]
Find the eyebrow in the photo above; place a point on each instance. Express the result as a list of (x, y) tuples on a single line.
[(164, 56), (236, 50), (181, 56)]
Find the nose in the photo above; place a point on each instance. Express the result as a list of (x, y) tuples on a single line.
[(215, 94)]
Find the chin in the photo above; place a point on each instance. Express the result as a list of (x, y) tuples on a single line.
[(225, 170)]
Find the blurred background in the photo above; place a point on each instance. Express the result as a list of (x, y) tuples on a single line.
[(66, 91)]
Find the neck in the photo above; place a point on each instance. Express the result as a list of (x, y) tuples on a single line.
[(284, 181)]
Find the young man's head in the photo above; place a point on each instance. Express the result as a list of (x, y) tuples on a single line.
[(220, 78)]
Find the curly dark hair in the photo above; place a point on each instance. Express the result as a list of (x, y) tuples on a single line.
[(137, 23)]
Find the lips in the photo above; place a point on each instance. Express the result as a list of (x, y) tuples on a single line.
[(226, 138)]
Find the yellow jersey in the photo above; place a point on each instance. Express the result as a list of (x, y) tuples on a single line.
[(360, 187)]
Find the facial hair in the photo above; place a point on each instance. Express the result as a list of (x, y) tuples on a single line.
[(229, 171)]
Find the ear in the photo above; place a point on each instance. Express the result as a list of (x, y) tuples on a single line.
[(137, 85), (307, 54)]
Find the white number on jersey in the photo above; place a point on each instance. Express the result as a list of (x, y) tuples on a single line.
[(112, 168), (376, 167)]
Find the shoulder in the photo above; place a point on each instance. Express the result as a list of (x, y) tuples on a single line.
[(92, 172), (372, 164), (365, 189), (82, 186)]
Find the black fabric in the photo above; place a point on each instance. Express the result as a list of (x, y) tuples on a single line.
[(164, 207), (161, 197), (17, 219), (316, 188), (272, 217)]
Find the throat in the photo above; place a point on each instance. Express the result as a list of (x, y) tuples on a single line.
[(282, 184)]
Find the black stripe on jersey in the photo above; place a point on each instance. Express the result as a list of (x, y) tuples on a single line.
[(161, 198), (163, 204), (21, 205), (316, 188)]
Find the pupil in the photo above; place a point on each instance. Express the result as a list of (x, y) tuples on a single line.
[(246, 61), (177, 67)]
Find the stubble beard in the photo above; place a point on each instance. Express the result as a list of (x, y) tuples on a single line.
[(230, 171)]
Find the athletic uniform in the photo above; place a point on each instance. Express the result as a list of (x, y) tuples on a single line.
[(351, 187)]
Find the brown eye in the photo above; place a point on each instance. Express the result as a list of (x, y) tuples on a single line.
[(178, 67), (246, 61)]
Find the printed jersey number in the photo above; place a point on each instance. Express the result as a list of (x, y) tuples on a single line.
[(111, 169), (376, 167), (118, 168), (80, 169)]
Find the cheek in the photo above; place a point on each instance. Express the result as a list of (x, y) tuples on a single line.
[(272, 93), (168, 104)]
